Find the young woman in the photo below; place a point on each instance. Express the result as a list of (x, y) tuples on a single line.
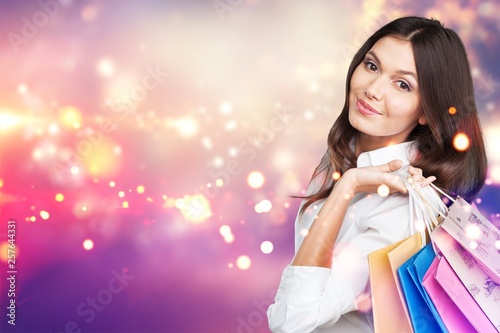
[(408, 93)]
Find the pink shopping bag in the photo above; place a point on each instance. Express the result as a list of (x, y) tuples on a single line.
[(478, 289), (456, 307)]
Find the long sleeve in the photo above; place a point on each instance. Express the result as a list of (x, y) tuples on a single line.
[(315, 297)]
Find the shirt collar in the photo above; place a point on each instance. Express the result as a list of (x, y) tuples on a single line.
[(384, 155)]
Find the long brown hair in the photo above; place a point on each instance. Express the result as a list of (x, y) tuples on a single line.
[(445, 82)]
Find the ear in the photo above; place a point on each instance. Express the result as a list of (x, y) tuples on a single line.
[(422, 120)]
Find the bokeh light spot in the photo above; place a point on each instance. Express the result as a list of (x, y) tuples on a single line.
[(59, 197), (140, 189), (194, 208), (75, 170), (44, 215), (105, 67), (88, 244), (461, 141), (255, 179), (383, 190), (473, 232), (452, 110), (70, 117), (226, 108), (336, 175), (263, 206), (243, 262), (226, 233), (266, 247)]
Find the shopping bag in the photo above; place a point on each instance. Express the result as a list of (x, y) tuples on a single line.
[(484, 290), (476, 234), (423, 315), (456, 307), (388, 304), (389, 314)]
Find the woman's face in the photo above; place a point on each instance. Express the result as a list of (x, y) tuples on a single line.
[(384, 100)]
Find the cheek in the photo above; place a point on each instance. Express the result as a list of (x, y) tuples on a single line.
[(405, 108)]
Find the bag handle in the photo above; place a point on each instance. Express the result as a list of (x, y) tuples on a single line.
[(422, 209)]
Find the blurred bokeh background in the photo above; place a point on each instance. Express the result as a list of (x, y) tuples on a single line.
[(149, 149)]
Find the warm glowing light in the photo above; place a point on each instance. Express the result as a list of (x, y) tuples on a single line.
[(461, 141), (219, 183), (140, 189), (473, 232), (266, 247), (53, 129), (37, 154), (44, 215), (226, 108), (336, 175), (125, 204), (452, 110), (88, 244), (101, 159), (255, 179), (187, 127), (59, 197), (263, 206), (419, 226), (84, 208), (9, 120), (226, 233), (1, 182), (22, 88), (105, 67), (70, 117), (4, 251), (194, 208), (112, 184), (383, 190), (243, 262), (75, 170), (121, 194), (231, 125), (207, 143), (32, 218)]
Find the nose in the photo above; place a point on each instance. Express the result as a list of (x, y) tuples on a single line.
[(375, 89)]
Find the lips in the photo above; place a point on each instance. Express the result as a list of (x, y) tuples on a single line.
[(365, 108)]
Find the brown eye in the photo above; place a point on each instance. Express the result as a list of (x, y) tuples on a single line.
[(370, 66), (403, 85)]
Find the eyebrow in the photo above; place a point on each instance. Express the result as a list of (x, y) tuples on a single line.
[(399, 71)]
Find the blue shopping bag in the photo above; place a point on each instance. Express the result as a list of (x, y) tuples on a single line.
[(423, 314)]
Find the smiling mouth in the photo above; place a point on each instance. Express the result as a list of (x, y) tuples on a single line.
[(365, 109)]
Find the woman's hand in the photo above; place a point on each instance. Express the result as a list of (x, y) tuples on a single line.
[(368, 179), (417, 176)]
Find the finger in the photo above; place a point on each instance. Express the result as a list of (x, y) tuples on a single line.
[(395, 184), (415, 171), (391, 166), (427, 181)]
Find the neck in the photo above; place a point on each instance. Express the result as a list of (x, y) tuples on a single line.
[(366, 143)]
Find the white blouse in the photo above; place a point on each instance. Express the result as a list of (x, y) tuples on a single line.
[(337, 299)]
